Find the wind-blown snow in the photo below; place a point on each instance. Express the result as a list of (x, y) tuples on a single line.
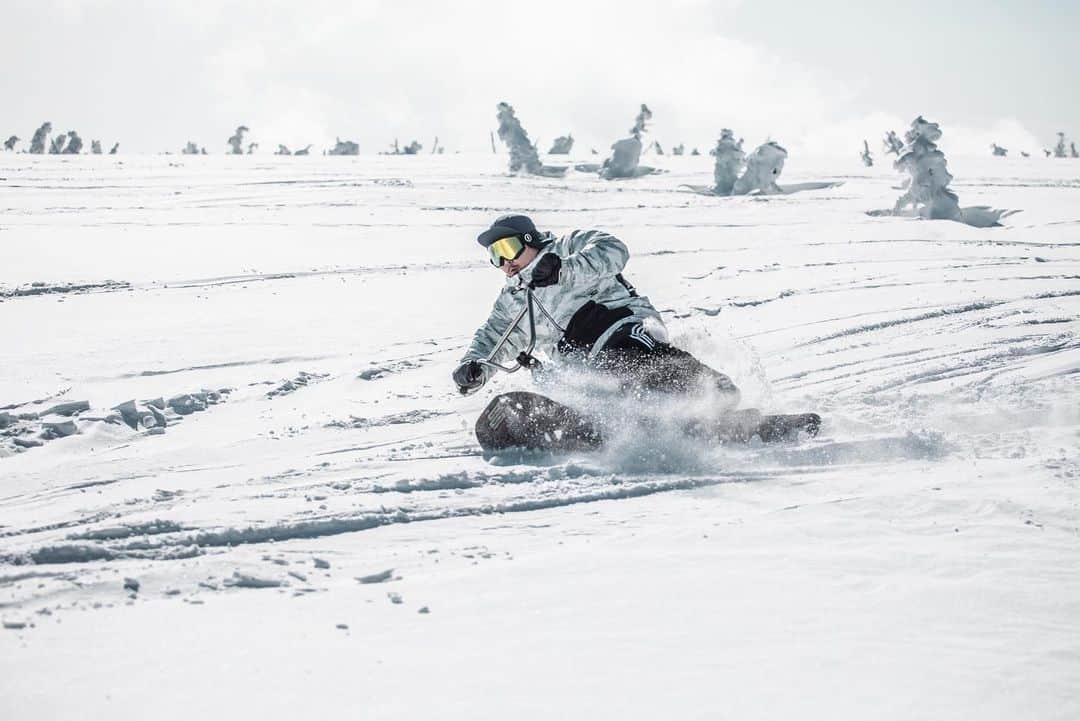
[(917, 560)]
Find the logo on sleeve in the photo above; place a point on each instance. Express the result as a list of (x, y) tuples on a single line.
[(639, 334)]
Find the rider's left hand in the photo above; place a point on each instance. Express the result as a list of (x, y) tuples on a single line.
[(546, 271), (468, 376)]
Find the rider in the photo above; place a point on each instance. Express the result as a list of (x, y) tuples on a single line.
[(608, 326)]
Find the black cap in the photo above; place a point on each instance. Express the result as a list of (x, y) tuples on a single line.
[(509, 225)]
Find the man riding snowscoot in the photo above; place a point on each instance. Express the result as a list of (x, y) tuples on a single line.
[(591, 318)]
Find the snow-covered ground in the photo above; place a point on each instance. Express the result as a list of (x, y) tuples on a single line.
[(325, 540)]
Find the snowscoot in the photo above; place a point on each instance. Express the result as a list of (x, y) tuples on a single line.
[(520, 420)]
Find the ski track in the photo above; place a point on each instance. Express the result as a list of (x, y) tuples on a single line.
[(869, 319), (159, 539)]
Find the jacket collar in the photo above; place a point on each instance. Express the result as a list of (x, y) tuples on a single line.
[(524, 277)]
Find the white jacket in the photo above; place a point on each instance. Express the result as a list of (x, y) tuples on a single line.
[(591, 260)]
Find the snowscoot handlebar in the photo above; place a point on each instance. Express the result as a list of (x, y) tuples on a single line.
[(525, 358)]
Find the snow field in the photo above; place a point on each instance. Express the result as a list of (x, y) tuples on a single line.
[(916, 560)]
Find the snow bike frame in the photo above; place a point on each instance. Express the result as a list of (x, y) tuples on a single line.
[(525, 358)]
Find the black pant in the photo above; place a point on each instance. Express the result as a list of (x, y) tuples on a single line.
[(640, 361)]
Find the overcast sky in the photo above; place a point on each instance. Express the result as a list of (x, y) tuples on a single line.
[(816, 76)]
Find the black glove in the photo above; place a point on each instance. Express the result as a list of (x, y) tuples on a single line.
[(546, 271), (469, 376)]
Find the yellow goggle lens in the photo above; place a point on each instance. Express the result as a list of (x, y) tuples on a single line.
[(505, 249)]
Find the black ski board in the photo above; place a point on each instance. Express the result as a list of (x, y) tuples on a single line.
[(528, 421), (784, 427), (525, 421), (742, 426)]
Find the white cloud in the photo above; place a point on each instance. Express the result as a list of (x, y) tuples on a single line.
[(1008, 132)]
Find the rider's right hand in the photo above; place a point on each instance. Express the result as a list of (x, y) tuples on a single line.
[(469, 376)]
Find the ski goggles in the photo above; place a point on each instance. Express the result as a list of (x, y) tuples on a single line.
[(505, 249)]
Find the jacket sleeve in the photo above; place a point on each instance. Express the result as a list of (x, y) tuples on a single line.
[(488, 334), (593, 255)]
